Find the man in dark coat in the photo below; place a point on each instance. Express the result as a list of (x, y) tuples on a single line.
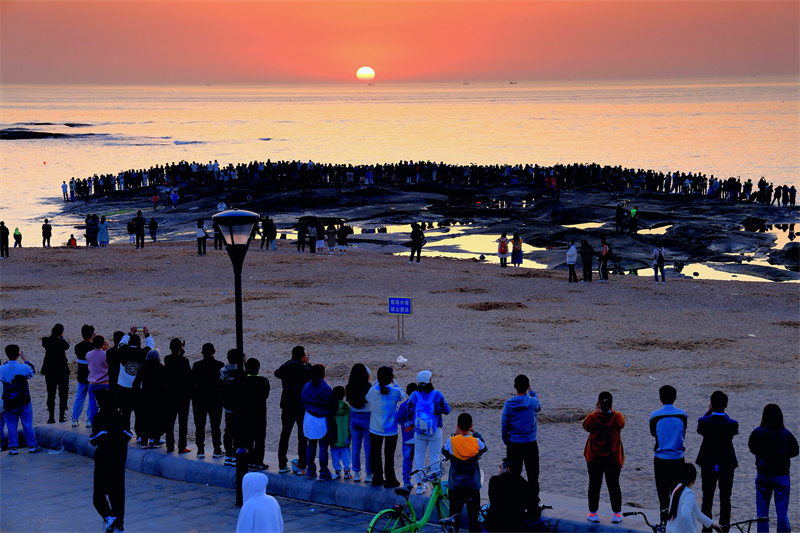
[(717, 458), (294, 374)]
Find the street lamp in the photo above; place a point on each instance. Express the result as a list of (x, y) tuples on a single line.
[(237, 228)]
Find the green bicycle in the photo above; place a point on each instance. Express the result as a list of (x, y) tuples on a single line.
[(402, 518)]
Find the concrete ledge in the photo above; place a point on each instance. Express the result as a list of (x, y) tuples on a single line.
[(349, 495)]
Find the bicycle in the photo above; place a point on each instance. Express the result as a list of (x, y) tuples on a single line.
[(402, 518), (661, 527), (748, 523)]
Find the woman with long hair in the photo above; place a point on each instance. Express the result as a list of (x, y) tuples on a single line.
[(360, 411), (684, 514), (774, 446), (384, 398)]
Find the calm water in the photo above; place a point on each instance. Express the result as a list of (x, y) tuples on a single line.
[(734, 127)]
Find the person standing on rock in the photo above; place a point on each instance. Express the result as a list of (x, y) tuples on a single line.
[(502, 250), (572, 256), (658, 261), (605, 256)]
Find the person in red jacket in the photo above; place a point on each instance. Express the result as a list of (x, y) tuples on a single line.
[(604, 455)]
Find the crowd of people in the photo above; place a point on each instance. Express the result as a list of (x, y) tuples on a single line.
[(334, 425), (284, 175)]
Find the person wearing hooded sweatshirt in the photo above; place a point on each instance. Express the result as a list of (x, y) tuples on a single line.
[(427, 405), (518, 430), (260, 512), (604, 455), (179, 395), (464, 450), (572, 256), (340, 448), (320, 405)]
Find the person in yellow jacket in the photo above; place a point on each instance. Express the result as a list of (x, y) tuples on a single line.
[(463, 450)]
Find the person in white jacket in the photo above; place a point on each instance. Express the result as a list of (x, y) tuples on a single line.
[(684, 514), (572, 256), (260, 513)]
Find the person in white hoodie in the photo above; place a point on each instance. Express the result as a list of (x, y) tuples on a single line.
[(684, 513), (572, 256), (260, 513)]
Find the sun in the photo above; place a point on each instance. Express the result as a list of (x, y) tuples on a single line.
[(365, 74)]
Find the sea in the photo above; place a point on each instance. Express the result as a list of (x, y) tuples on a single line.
[(741, 127)]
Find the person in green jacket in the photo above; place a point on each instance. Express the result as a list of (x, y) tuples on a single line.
[(340, 449)]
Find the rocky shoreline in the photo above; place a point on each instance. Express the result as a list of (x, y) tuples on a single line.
[(693, 229)]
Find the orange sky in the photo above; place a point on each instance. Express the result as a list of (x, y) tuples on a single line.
[(223, 42)]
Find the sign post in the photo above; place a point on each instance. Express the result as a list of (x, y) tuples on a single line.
[(401, 307)]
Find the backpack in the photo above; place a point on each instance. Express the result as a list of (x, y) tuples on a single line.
[(15, 393), (660, 259), (425, 422), (503, 248)]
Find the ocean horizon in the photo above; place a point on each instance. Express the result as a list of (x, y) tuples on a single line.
[(726, 127)]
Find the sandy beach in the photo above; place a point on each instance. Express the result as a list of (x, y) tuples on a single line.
[(474, 325)]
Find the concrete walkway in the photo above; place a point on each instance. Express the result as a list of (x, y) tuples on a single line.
[(568, 514)]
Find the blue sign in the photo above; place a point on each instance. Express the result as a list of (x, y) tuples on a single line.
[(399, 306)]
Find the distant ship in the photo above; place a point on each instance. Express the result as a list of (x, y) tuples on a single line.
[(512, 83), (466, 83)]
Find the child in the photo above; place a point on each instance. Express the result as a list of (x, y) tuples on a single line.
[(463, 450), (406, 420), (111, 438), (256, 392), (340, 448)]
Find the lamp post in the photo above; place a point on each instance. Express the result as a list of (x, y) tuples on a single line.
[(237, 229)]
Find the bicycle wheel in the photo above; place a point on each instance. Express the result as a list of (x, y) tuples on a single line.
[(388, 520)]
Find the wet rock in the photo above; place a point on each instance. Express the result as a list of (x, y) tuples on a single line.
[(789, 256)]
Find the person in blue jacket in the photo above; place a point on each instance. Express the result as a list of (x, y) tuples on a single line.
[(427, 405), (668, 426), (320, 405), (518, 430), (717, 458)]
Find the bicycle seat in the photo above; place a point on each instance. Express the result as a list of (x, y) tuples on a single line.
[(402, 492)]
